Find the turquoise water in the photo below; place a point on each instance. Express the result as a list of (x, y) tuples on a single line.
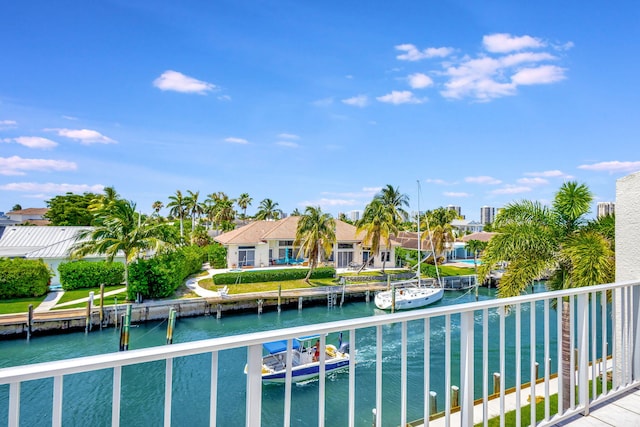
[(467, 261), (87, 397)]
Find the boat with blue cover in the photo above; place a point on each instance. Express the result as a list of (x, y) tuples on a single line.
[(305, 359)]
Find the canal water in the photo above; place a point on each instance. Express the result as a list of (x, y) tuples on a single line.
[(87, 397)]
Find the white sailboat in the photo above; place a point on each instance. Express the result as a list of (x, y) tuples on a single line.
[(416, 296)]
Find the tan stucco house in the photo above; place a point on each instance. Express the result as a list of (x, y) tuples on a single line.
[(265, 243)]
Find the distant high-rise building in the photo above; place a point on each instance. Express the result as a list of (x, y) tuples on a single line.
[(457, 209), (606, 208), (487, 214), (355, 215)]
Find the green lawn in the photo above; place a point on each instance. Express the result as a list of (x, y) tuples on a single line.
[(525, 413), (19, 305), (268, 286)]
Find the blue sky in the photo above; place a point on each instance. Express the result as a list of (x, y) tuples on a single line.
[(318, 103)]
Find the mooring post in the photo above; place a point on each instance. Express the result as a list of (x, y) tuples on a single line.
[(374, 412), (388, 281), (433, 402), (496, 382), (115, 315), (170, 325), (259, 306), (87, 325), (279, 297), (121, 348), (101, 305), (537, 368), (455, 393), (127, 325), (219, 311), (344, 286), (367, 297), (299, 303), (393, 298), (29, 321)]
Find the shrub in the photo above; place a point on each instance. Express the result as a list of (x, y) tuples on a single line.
[(279, 275), (87, 274), (20, 278), (216, 254), (160, 276)]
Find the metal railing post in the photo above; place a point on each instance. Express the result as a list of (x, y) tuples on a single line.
[(254, 385)]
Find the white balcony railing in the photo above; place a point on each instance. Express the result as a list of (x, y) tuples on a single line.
[(603, 336)]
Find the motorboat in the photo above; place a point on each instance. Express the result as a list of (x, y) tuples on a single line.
[(305, 357), (406, 298)]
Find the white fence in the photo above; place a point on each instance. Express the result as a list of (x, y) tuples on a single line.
[(593, 311)]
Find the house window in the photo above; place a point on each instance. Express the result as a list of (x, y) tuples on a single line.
[(285, 243), (345, 245), (246, 256), (385, 256)]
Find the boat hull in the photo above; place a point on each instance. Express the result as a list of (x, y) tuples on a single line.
[(408, 298), (306, 372)]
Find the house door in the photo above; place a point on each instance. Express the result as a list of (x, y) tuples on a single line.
[(344, 258), (246, 256)]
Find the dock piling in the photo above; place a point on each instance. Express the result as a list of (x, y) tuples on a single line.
[(299, 303), (170, 325), (101, 305), (88, 325), (455, 396), (393, 298), (29, 321), (219, 311), (115, 311), (433, 402), (367, 296), (496, 382), (279, 297), (260, 306)]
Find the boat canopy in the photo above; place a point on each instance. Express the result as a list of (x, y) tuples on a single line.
[(280, 346)]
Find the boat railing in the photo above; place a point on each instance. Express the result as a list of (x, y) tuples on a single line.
[(602, 325)]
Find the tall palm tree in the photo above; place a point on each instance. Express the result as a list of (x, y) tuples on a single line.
[(475, 246), (395, 202), (119, 229), (315, 235), (178, 208), (268, 209), (379, 225), (156, 206), (556, 242), (224, 214), (194, 207), (244, 201), (439, 230)]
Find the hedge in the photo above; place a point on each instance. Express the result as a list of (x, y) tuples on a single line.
[(275, 275), (160, 276), (87, 274), (21, 278), (216, 255)]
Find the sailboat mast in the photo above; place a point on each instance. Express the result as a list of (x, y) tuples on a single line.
[(418, 272)]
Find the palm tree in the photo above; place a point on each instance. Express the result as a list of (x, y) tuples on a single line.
[(268, 210), (156, 206), (244, 200), (438, 222), (194, 207), (379, 225), (296, 212), (395, 202), (315, 235), (536, 241), (224, 214), (475, 246), (118, 229), (178, 208)]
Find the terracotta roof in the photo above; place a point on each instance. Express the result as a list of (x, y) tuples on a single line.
[(483, 236), (284, 229), (29, 211), (38, 222)]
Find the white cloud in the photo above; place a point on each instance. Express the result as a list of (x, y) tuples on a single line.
[(532, 181), (511, 189), (357, 101), (224, 98), (7, 124), (503, 42), (84, 136), (399, 97), (482, 180), (548, 174), (419, 81), (178, 82), (612, 166), (413, 54), (289, 136), (235, 140), (33, 142), (540, 75), (365, 193), (52, 188), (437, 181), (289, 144), (17, 165), (70, 118), (454, 194)]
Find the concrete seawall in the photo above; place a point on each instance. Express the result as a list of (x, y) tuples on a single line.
[(70, 320)]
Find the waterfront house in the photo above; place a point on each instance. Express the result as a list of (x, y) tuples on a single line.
[(29, 216), (264, 243), (52, 244)]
